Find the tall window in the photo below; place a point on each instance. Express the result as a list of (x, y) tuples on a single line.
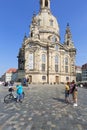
[(68, 43), (41, 2), (39, 22), (56, 63), (56, 47), (31, 34), (43, 58), (51, 22), (66, 65), (31, 61), (43, 62), (46, 3)]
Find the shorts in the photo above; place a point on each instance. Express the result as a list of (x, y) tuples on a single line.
[(66, 93)]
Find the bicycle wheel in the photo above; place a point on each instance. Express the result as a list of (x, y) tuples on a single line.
[(8, 98)]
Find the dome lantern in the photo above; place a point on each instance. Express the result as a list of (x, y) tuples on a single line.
[(44, 4)]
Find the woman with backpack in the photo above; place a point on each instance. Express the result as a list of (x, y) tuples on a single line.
[(74, 92)]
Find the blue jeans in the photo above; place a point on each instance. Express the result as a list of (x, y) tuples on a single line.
[(19, 97)]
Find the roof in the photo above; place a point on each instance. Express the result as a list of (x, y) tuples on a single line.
[(78, 67), (11, 70), (84, 66)]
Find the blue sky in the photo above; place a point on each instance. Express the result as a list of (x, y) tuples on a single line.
[(15, 18)]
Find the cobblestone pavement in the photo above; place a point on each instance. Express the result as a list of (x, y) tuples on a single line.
[(44, 108)]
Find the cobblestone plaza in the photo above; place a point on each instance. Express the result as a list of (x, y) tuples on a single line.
[(43, 108)]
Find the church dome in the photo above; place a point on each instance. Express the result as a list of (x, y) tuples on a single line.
[(44, 24), (47, 22)]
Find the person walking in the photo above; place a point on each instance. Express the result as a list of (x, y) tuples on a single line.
[(74, 92), (67, 88)]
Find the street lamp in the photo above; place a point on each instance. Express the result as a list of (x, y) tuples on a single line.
[(52, 46)]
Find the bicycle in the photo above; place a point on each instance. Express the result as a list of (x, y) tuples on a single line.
[(9, 98)]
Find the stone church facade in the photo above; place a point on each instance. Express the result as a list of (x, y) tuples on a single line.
[(42, 58)]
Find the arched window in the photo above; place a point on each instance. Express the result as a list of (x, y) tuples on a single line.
[(31, 61), (46, 3), (56, 59), (56, 47), (39, 22), (43, 62), (66, 61), (43, 58), (66, 64)]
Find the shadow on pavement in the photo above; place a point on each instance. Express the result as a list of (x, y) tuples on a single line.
[(59, 99)]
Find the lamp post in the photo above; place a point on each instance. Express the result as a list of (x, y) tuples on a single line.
[(47, 63), (48, 73)]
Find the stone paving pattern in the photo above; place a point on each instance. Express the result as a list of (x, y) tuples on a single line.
[(44, 108)]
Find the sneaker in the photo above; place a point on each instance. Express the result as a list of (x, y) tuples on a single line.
[(75, 105), (20, 101)]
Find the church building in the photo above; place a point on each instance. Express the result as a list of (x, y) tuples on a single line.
[(42, 58)]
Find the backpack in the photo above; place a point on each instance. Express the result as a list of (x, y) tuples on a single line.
[(72, 86), (10, 89)]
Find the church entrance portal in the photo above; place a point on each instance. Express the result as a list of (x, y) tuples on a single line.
[(57, 79)]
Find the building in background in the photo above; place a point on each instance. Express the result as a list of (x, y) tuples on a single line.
[(78, 73), (84, 72), (10, 75), (42, 57)]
